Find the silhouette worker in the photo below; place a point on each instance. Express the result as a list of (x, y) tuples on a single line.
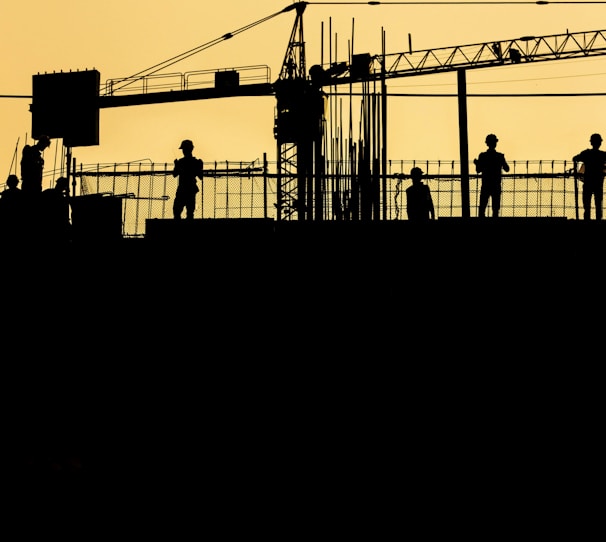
[(187, 169), (12, 194), (11, 202), (54, 210), (594, 166), (32, 166), (419, 203), (490, 164)]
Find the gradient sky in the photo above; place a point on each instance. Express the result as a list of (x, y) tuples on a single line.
[(120, 38)]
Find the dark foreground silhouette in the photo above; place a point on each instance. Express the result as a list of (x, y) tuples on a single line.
[(312, 368)]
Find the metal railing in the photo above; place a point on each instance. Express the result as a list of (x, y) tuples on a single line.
[(243, 190), (144, 84)]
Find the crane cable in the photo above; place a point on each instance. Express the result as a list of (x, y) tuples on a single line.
[(463, 2), (178, 58)]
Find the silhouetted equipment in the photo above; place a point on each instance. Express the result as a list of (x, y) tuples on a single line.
[(96, 217), (515, 56), (66, 105), (299, 110), (319, 76), (360, 66), (227, 79)]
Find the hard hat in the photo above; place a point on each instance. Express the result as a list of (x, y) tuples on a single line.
[(416, 171), (186, 144), (491, 137)]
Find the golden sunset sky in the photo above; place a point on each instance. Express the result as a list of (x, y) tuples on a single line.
[(120, 38)]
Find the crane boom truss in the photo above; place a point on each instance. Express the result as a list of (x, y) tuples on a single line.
[(481, 55), (478, 55)]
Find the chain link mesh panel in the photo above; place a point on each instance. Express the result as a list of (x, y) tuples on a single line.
[(530, 189), (148, 193)]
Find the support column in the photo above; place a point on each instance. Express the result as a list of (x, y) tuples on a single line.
[(463, 142)]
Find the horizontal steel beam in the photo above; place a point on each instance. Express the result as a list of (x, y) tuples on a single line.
[(479, 55), (258, 89)]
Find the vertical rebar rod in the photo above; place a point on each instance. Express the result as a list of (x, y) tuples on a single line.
[(383, 124)]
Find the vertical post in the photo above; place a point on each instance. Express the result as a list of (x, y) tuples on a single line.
[(73, 192), (264, 185), (71, 195), (576, 191), (279, 199), (384, 128), (318, 174), (68, 164), (202, 192), (463, 142), (226, 191)]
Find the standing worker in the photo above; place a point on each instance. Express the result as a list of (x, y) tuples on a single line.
[(419, 203), (11, 204), (32, 166), (187, 169), (10, 197), (594, 167), (490, 164)]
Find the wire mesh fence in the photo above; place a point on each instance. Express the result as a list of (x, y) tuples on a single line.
[(147, 192), (531, 189), (238, 190)]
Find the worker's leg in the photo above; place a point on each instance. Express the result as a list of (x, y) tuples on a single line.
[(483, 203), (598, 197), (190, 207), (496, 202), (177, 208)]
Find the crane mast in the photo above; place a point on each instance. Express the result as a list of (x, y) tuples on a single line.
[(298, 130)]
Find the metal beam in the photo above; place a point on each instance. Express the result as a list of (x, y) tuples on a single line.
[(480, 55), (258, 89)]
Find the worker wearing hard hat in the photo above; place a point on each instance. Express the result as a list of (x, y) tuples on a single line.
[(419, 203), (594, 168), (32, 166), (188, 169), (490, 164)]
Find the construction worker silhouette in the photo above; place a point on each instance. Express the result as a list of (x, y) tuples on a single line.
[(12, 194), (32, 166), (594, 167), (54, 211), (419, 203), (11, 204), (490, 164), (188, 169)]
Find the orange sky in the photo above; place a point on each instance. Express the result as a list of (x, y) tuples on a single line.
[(122, 37)]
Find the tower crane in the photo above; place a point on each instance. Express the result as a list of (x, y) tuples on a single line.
[(365, 68), (300, 113)]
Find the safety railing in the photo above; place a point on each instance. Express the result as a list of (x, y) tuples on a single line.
[(244, 190)]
